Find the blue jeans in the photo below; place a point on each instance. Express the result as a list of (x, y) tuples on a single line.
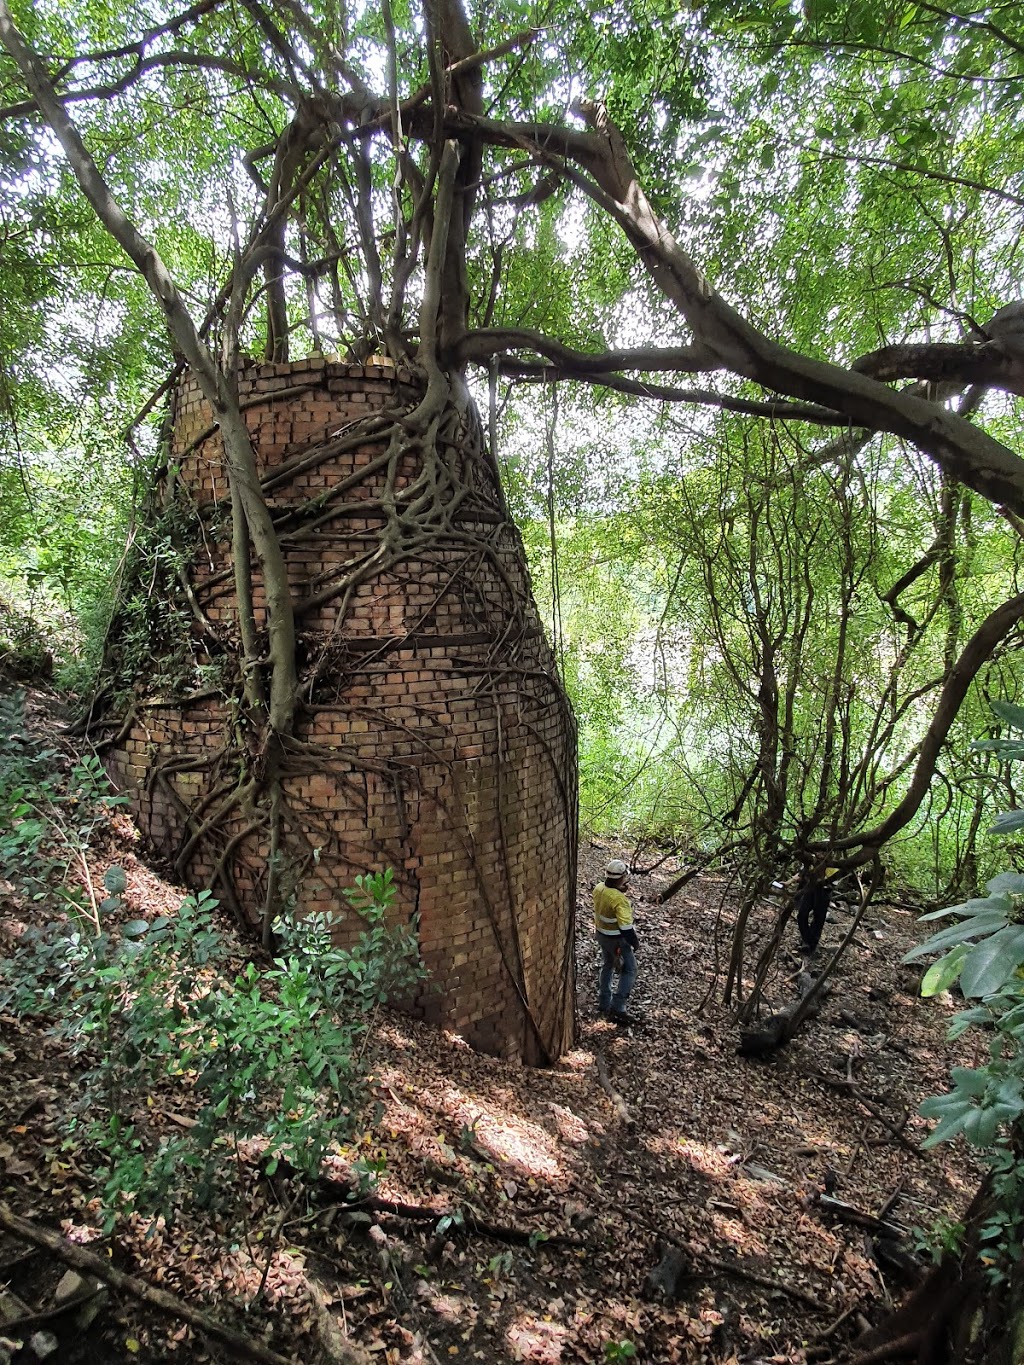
[(619, 958)]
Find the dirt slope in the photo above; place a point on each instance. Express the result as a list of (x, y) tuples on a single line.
[(519, 1213)]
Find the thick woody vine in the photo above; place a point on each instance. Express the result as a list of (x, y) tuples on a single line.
[(331, 153)]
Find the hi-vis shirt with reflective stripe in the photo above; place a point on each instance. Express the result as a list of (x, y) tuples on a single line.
[(612, 911)]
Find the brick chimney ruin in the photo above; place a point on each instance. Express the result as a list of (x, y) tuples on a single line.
[(433, 735)]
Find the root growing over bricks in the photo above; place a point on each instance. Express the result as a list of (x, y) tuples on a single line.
[(430, 732)]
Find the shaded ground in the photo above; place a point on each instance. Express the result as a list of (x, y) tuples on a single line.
[(524, 1210)]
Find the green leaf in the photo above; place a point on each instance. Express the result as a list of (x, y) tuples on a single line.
[(988, 922), (980, 1127), (115, 880), (1009, 712), (948, 1128), (992, 962), (1007, 884), (135, 928), (974, 906), (969, 1080), (1007, 822), (941, 975)]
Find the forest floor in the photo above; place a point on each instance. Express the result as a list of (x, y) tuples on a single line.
[(521, 1212)]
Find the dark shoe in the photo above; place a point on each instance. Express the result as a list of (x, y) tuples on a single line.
[(621, 1017)]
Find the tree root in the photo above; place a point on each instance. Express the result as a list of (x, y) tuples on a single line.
[(898, 1348), (619, 1103)]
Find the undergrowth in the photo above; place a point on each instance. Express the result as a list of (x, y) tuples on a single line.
[(270, 1065)]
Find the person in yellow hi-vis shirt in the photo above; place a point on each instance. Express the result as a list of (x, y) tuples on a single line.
[(613, 921)]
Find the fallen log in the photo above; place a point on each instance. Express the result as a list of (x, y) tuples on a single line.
[(604, 1076), (848, 1213), (80, 1259), (780, 1027)]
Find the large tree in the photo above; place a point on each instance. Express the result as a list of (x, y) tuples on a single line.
[(814, 211), (538, 196)]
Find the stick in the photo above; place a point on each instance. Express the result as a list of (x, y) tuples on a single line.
[(609, 1089), (899, 1346), (423, 1213), (847, 1213), (79, 1259), (765, 1281), (834, 1327), (855, 1092), (891, 1202)]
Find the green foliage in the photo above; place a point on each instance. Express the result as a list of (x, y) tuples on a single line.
[(943, 1237), (48, 821), (619, 1350), (983, 949), (155, 1007)]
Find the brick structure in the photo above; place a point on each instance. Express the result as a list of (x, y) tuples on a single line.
[(433, 736)]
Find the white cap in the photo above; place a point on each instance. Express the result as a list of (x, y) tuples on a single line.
[(616, 868)]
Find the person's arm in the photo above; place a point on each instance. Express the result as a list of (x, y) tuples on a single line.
[(624, 915)]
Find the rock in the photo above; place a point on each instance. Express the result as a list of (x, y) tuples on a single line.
[(757, 1172), (662, 1283), (43, 1344), (11, 1307), (71, 1285)]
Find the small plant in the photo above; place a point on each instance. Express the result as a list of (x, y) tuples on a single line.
[(276, 1056), (983, 950), (500, 1264), (156, 1008), (619, 1350), (49, 824), (943, 1236)]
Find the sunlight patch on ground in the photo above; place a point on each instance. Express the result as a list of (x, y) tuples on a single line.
[(509, 1137), (735, 1232), (489, 1125), (571, 1128), (705, 1159), (453, 1307)]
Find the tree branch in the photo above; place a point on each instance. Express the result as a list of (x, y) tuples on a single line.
[(782, 410), (942, 361), (216, 388), (481, 344), (978, 648), (81, 1259)]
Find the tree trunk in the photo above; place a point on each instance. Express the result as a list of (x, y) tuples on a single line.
[(961, 1313)]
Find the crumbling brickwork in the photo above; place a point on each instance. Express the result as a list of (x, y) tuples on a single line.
[(433, 736)]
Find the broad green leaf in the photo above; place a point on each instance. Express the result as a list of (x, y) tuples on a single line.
[(1010, 713), (975, 906), (1007, 822), (941, 975), (969, 1080), (980, 1127), (992, 962), (948, 1127), (988, 922), (1007, 884), (115, 880)]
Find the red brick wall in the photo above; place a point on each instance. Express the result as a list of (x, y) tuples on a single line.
[(434, 740)]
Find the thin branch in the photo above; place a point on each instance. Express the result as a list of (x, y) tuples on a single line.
[(908, 168), (780, 410)]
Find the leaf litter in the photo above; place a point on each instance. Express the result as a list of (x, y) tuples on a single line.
[(521, 1214)]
